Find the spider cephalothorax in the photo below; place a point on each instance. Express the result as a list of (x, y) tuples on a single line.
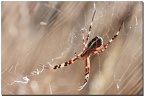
[(95, 46)]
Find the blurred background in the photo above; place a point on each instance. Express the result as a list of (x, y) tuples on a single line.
[(45, 33)]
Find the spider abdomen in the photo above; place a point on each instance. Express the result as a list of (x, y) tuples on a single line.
[(92, 45), (95, 42)]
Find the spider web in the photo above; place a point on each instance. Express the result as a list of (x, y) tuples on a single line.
[(50, 33)]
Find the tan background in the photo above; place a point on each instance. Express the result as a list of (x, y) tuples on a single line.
[(40, 32)]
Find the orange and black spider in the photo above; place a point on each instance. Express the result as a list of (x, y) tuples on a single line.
[(95, 46)]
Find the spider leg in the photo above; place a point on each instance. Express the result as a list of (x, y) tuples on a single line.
[(106, 45), (84, 45), (90, 27), (87, 72), (103, 47), (71, 61)]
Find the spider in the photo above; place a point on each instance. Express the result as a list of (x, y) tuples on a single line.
[(95, 46)]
